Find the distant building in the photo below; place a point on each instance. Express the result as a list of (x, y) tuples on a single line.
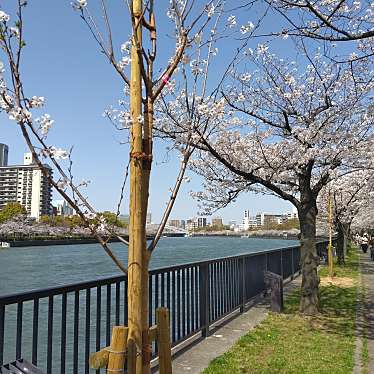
[(149, 219), (248, 221), (62, 208), (217, 222), (28, 185), (175, 223), (266, 219), (293, 215), (190, 224), (183, 224), (233, 225), (4, 154), (125, 218), (201, 222)]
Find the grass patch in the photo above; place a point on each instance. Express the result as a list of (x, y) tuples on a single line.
[(364, 348), (293, 343)]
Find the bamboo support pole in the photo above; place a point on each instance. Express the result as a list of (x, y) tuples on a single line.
[(99, 360), (137, 240), (112, 357), (163, 338), (117, 353), (329, 254)]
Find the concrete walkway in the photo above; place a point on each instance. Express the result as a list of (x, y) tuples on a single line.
[(367, 271), (194, 359)]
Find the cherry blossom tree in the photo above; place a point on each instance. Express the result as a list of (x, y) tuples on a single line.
[(350, 194), (285, 130), (334, 21)]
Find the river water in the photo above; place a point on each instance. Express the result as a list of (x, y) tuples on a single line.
[(28, 268)]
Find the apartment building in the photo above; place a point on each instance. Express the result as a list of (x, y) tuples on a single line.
[(27, 185)]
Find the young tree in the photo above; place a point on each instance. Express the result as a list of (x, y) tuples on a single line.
[(144, 87), (284, 130)]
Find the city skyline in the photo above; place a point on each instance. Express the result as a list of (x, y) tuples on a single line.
[(185, 205)]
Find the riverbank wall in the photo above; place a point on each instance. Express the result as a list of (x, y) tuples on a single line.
[(67, 241)]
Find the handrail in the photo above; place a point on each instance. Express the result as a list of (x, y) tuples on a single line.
[(57, 290)]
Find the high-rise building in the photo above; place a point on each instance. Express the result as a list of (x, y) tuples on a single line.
[(63, 208), (27, 185), (201, 222), (3, 154)]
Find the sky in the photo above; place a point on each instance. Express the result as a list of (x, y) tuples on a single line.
[(62, 63)]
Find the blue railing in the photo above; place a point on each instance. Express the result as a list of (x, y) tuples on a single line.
[(57, 328)]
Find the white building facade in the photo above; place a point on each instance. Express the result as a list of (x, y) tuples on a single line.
[(248, 221), (27, 185)]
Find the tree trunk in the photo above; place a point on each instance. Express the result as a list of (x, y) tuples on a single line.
[(309, 301), (340, 243), (138, 263), (346, 233)]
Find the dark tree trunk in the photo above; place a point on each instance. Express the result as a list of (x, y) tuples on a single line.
[(309, 302), (341, 243), (347, 234)]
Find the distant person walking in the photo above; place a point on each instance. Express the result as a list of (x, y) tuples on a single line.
[(365, 243), (371, 248)]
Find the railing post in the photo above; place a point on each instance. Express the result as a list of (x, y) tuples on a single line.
[(242, 289), (204, 299), (2, 327), (281, 261), (163, 337), (292, 265)]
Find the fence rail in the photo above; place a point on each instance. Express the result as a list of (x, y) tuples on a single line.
[(57, 328)]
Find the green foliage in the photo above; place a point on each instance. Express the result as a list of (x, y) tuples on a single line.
[(63, 221), (112, 219), (212, 228), (292, 223), (292, 343), (11, 210)]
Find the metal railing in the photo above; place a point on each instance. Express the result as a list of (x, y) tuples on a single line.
[(57, 328)]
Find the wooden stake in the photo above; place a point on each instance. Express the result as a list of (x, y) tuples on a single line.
[(329, 254), (99, 360), (131, 356), (164, 346), (117, 351)]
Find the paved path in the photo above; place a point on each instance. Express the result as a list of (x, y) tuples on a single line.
[(367, 269), (196, 358)]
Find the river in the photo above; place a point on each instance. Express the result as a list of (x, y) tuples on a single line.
[(28, 268)]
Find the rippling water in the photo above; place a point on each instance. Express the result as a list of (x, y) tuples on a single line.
[(27, 268)]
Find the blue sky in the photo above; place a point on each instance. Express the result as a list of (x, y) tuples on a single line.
[(62, 63)]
